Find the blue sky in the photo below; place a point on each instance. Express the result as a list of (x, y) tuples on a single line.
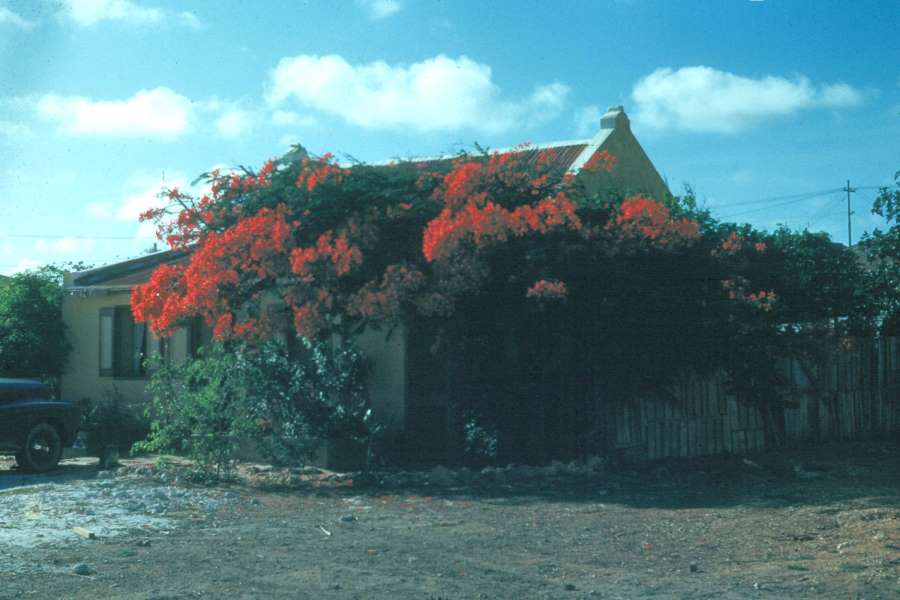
[(103, 102)]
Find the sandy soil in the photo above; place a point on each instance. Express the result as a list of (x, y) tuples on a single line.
[(823, 524)]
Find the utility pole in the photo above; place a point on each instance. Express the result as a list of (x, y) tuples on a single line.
[(849, 191)]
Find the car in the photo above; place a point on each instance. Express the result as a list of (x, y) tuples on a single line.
[(34, 426)]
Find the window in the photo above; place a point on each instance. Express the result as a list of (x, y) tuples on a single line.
[(123, 343), (157, 346), (199, 334)]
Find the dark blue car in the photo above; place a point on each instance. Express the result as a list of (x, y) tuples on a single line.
[(33, 425)]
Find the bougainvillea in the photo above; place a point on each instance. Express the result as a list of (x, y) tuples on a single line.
[(321, 253), (646, 219), (513, 265), (543, 290)]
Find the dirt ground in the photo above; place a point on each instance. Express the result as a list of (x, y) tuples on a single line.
[(823, 524)]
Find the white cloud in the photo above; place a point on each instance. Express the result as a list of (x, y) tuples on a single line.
[(25, 264), (840, 95), (8, 17), (234, 123), (189, 19), (707, 100), (87, 13), (66, 245), (290, 118), (159, 113), (743, 175), (145, 193), (91, 12), (100, 210), (15, 132), (587, 120), (379, 9), (142, 192), (439, 93)]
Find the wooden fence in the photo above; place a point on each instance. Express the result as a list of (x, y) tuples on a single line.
[(853, 395)]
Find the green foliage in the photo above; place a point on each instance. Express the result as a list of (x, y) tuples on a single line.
[(285, 400), (108, 422), (882, 254), (32, 334)]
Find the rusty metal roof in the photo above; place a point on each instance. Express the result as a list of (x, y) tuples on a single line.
[(566, 154)]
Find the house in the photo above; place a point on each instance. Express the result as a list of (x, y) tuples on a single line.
[(108, 345)]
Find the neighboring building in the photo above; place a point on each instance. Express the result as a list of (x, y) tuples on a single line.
[(108, 346)]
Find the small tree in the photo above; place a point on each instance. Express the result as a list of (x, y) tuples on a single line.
[(32, 333)]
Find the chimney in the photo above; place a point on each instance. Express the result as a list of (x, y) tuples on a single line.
[(614, 118)]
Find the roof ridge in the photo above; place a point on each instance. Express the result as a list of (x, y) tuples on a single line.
[(521, 148)]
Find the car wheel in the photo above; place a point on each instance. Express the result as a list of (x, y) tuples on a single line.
[(43, 449)]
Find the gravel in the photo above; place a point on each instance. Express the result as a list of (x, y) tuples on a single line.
[(45, 514)]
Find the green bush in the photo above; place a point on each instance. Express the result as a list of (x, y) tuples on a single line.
[(285, 398), (108, 422)]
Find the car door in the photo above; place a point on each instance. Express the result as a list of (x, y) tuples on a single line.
[(8, 422)]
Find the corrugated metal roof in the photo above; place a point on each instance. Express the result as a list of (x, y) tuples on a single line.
[(567, 153), (129, 272)]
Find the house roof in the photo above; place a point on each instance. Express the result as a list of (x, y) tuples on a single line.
[(570, 154), (124, 275)]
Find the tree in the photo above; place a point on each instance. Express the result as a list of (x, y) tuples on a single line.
[(32, 333), (882, 252)]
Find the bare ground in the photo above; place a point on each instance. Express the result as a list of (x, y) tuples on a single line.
[(808, 525)]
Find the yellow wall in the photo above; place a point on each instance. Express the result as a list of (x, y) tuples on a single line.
[(633, 172), (81, 378)]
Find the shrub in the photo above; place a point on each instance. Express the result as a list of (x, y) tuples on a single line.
[(285, 398), (108, 422)]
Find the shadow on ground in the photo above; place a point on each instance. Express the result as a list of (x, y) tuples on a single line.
[(68, 471), (863, 473)]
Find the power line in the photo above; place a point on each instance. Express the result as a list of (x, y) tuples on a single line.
[(771, 206), (803, 196), (74, 237)]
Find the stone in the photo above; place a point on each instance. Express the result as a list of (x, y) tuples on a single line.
[(522, 473), (596, 464), (441, 476), (82, 569), (465, 475)]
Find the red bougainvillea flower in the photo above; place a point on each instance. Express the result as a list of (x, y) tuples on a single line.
[(547, 290), (733, 244), (600, 161), (642, 218), (484, 223), (314, 173), (252, 250), (763, 299)]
